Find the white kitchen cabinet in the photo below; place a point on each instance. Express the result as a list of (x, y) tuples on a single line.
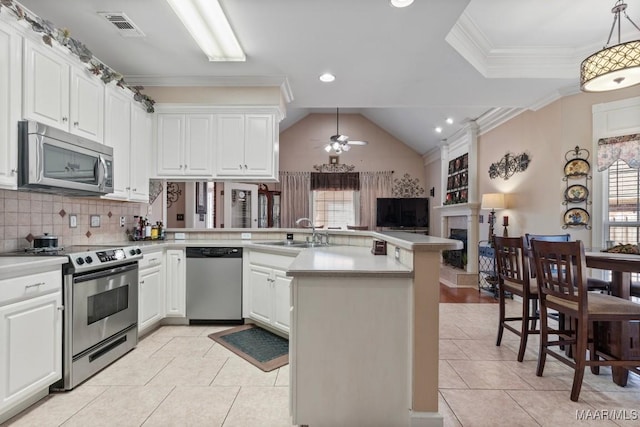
[(128, 130), (267, 289), (10, 103), (30, 337), (60, 93), (151, 292), (245, 145), (185, 145), (176, 283)]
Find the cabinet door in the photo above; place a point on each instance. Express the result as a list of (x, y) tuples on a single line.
[(170, 144), (46, 86), (151, 298), (198, 144), (30, 347), (260, 293), (258, 144), (230, 145), (281, 300), (86, 105), (141, 130), (10, 104), (118, 136), (176, 290)]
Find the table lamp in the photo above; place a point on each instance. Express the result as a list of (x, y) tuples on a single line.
[(492, 201)]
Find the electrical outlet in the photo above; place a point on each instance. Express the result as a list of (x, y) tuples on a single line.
[(245, 236), (397, 253), (179, 236), (122, 219)]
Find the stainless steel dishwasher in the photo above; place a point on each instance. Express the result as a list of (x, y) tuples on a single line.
[(214, 285)]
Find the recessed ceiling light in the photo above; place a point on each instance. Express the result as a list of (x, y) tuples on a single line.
[(449, 121), (327, 77), (401, 3), (438, 129)]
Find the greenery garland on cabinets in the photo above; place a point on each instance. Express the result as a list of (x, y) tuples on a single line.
[(576, 195), (458, 181), (62, 36)]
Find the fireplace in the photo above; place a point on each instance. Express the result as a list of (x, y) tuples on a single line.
[(458, 257)]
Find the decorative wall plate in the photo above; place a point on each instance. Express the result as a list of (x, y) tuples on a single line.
[(576, 168), (576, 216), (576, 193)]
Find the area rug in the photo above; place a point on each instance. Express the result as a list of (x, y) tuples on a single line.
[(256, 345)]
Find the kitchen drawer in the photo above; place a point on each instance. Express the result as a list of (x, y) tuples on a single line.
[(25, 287), (149, 260)]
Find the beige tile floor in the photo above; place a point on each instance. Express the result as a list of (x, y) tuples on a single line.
[(177, 376)]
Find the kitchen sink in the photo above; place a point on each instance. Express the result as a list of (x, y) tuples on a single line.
[(295, 244)]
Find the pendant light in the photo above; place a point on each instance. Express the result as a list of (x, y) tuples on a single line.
[(613, 67)]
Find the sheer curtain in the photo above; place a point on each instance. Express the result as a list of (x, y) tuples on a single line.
[(372, 186), (296, 190)]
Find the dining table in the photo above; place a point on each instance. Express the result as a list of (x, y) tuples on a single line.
[(620, 339)]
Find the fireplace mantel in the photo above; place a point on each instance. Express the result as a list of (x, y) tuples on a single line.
[(459, 209)]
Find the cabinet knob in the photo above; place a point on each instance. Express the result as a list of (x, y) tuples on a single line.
[(60, 308), (35, 285), (76, 124), (13, 171), (135, 189), (245, 166), (64, 119), (185, 167), (180, 166), (128, 188), (142, 282), (240, 166)]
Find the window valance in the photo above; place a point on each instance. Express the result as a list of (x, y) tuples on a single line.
[(335, 181), (625, 148)]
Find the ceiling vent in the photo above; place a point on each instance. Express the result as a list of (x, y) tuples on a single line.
[(126, 28)]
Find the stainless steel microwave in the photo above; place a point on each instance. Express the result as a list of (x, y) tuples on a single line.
[(54, 161)]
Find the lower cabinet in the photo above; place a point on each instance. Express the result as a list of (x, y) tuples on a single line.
[(268, 291), (151, 292), (30, 338), (176, 287)]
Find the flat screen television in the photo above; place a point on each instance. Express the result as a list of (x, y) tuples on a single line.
[(396, 212)]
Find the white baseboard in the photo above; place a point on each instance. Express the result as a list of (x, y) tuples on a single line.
[(426, 419)]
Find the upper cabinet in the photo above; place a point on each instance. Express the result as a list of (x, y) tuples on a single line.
[(10, 104), (185, 145), (61, 95), (128, 129), (216, 142), (245, 145)]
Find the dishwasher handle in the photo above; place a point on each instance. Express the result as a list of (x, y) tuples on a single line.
[(214, 252)]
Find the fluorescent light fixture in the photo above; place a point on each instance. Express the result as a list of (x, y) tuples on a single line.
[(209, 27), (401, 3), (438, 129), (327, 78)]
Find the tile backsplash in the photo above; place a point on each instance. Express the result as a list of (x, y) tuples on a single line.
[(24, 213)]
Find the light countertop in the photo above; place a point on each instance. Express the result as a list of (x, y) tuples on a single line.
[(342, 261), (10, 265)]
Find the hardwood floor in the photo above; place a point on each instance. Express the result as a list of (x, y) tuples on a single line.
[(465, 295)]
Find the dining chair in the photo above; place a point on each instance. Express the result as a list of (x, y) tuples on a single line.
[(593, 284), (562, 283), (513, 276)]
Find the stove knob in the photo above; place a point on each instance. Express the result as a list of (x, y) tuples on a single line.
[(132, 251), (79, 261), (89, 260), (138, 251)]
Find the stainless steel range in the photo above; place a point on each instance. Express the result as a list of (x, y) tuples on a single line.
[(100, 296)]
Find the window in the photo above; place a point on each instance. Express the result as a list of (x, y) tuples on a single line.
[(335, 208), (624, 195), (623, 223)]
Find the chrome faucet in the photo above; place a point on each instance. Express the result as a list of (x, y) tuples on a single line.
[(314, 237)]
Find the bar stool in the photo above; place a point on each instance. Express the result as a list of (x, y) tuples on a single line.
[(513, 276)]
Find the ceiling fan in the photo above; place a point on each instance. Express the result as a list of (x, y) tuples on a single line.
[(340, 142)]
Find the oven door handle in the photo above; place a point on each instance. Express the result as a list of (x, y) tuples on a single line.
[(105, 273)]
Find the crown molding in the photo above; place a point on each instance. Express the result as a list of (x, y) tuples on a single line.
[(468, 40), (221, 81)]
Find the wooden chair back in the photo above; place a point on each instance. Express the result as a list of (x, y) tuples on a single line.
[(511, 261), (545, 237), (561, 269)]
